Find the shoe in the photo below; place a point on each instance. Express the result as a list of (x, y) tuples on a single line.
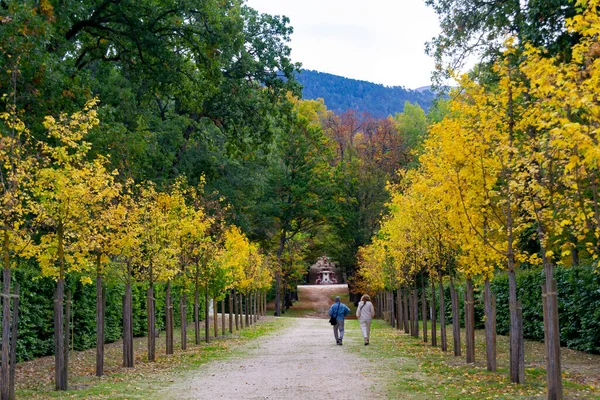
[(366, 342), (338, 342)]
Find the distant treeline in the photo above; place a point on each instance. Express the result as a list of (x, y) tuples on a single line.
[(343, 94)]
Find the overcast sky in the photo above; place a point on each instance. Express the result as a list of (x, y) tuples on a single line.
[(381, 41)]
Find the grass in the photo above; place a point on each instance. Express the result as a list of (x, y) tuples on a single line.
[(415, 370), (35, 379)]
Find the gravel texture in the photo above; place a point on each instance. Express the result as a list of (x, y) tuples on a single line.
[(301, 361)]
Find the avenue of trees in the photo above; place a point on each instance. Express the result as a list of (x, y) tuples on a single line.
[(157, 152), (507, 181)]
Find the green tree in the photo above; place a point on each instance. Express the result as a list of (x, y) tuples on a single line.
[(412, 126), (297, 197)]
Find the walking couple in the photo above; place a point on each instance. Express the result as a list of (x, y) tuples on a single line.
[(365, 313)]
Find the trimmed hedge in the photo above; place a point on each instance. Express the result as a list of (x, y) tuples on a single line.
[(36, 328), (578, 302), (578, 306)]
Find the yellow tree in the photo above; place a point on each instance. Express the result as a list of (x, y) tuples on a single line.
[(564, 163), (59, 185), (127, 242), (157, 254), (16, 172), (480, 143), (98, 229), (234, 259), (192, 239)]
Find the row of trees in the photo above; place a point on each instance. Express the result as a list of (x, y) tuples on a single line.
[(507, 179), (68, 211)]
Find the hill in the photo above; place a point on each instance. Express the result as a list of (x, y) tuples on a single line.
[(341, 94)]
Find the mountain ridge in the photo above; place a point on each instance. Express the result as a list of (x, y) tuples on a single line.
[(341, 94)]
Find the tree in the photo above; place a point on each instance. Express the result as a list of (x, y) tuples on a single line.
[(16, 172), (412, 127), (157, 255), (59, 184), (474, 28), (299, 189), (98, 229)]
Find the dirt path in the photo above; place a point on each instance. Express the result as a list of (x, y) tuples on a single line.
[(300, 362)]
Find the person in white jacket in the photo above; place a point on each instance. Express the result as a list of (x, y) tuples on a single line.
[(365, 312)]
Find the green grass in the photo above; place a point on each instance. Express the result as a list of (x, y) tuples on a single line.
[(35, 379), (415, 370)]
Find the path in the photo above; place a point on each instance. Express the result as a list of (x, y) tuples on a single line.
[(300, 362)]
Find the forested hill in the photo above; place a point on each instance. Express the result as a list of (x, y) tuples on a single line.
[(341, 94)]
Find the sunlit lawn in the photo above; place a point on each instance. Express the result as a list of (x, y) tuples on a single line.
[(35, 379), (417, 370)]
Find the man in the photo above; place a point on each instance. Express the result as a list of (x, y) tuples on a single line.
[(338, 311)]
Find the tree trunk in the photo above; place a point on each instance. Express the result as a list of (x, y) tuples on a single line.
[(99, 322), (254, 307), (59, 323), (257, 295), (392, 307), (433, 317), (68, 307), (424, 308), (128, 357), (400, 317), (13, 344), (490, 328), (241, 310), (197, 309), (470, 321), (223, 316), (416, 309), (230, 311), (443, 336), (411, 317), (206, 315), (151, 323), (247, 310), (169, 321), (405, 302), (552, 339), (551, 327), (236, 310), (183, 315), (215, 317), (5, 376), (455, 318), (59, 350), (521, 342), (516, 333), (5, 324)]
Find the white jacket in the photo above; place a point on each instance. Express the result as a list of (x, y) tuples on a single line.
[(365, 311)]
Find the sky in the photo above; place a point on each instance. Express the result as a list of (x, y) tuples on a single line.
[(381, 41)]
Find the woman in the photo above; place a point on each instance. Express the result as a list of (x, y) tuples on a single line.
[(365, 313)]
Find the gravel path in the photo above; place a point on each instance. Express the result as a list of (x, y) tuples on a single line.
[(300, 362)]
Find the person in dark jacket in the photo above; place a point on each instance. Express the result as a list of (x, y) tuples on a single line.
[(338, 310)]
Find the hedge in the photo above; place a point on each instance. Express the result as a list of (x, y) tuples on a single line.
[(578, 306), (36, 327), (578, 302)]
